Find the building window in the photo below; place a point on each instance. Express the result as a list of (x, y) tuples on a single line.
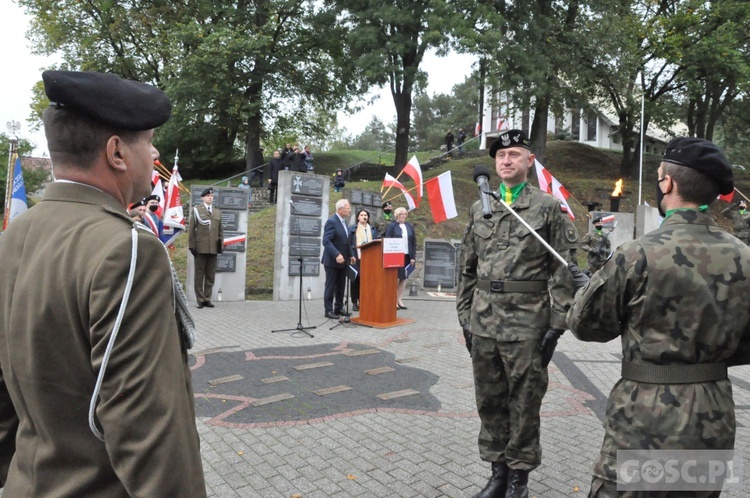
[(591, 121), (575, 124)]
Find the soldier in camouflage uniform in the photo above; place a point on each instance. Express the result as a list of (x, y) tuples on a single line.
[(382, 221), (597, 246), (512, 300), (740, 221), (679, 298)]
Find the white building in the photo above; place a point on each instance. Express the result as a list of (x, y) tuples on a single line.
[(595, 126)]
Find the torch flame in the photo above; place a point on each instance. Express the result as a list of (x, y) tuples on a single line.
[(617, 192)]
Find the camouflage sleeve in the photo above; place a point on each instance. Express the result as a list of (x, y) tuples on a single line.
[(585, 243), (563, 234), (741, 355), (607, 246), (599, 307), (468, 276)]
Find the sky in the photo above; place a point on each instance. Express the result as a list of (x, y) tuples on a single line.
[(25, 69)]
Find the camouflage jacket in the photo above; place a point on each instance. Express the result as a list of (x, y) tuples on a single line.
[(677, 295), (597, 248), (501, 248)]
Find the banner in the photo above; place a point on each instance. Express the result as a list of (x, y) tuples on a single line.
[(17, 205), (440, 195)]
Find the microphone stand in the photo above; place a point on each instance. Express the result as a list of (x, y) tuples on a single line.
[(299, 326)]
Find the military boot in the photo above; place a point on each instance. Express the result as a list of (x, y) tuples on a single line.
[(495, 487), (518, 484)]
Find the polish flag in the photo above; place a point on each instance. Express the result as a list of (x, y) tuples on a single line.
[(415, 172), (549, 184), (477, 129), (174, 219), (608, 219), (389, 182), (228, 241), (158, 190), (440, 195)]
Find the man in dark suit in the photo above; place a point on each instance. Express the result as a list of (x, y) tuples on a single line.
[(337, 254), (206, 242)]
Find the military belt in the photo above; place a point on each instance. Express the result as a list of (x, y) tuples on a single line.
[(674, 374), (512, 285)]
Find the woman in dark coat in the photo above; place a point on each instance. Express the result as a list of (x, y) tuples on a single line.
[(401, 229), (359, 234)]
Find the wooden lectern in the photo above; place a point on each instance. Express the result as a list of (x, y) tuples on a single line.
[(377, 289)]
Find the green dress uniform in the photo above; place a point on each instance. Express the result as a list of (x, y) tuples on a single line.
[(64, 275), (206, 238), (678, 299), (511, 291), (597, 247)]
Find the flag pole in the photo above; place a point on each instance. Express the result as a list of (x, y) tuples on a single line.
[(640, 172), (9, 182)]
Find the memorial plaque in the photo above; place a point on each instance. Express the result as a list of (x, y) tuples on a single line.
[(439, 264), (367, 198), (377, 199), (356, 197), (239, 246), (307, 206), (310, 267), (230, 220), (307, 246), (307, 185), (226, 263), (302, 225), (232, 198)]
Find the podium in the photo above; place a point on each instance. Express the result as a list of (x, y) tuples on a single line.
[(377, 294)]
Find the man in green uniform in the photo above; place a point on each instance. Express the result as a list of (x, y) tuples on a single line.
[(679, 299), (91, 320), (205, 242), (597, 246), (511, 302), (740, 220)]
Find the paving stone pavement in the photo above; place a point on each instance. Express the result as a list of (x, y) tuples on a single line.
[(344, 441)]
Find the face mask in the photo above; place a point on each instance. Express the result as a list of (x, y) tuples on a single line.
[(153, 209), (659, 197), (387, 211)]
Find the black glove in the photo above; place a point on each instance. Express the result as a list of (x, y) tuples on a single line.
[(548, 344), (467, 336), (579, 278), (192, 251)]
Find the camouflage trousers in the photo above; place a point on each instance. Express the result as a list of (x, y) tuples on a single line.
[(510, 383), (608, 489)]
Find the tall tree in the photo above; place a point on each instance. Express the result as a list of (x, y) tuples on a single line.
[(388, 40), (234, 69)]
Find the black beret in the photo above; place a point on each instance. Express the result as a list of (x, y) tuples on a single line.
[(153, 197), (137, 204), (598, 219), (510, 138), (107, 98), (207, 191), (704, 157), (386, 204)]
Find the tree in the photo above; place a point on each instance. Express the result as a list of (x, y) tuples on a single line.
[(388, 40), (234, 70)]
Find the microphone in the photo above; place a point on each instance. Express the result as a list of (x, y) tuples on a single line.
[(482, 177)]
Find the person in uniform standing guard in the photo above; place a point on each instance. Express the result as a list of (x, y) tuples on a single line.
[(512, 300), (206, 242), (95, 391), (597, 246), (679, 297), (740, 221)]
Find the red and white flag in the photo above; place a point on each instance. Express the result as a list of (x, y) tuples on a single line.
[(174, 219), (477, 129), (158, 190), (389, 182), (414, 171), (608, 219), (440, 195), (549, 184), (727, 198), (228, 241)]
